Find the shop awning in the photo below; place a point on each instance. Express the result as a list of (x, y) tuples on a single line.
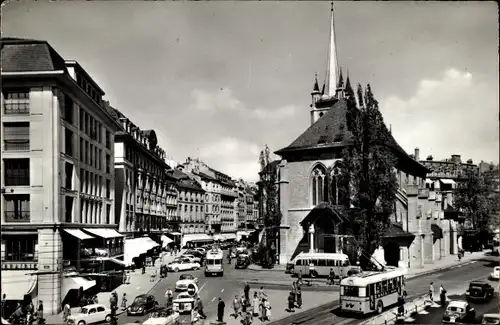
[(103, 232), (70, 283), (230, 236), (77, 233), (16, 284), (135, 247), (429, 181), (437, 232), (120, 262), (447, 181), (219, 237), (196, 238), (165, 241), (175, 233)]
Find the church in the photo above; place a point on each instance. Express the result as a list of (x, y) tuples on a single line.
[(420, 231)]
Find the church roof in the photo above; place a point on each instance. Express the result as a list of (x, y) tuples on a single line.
[(330, 130)]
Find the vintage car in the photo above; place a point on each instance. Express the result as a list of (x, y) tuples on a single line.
[(184, 303), (242, 261), (459, 311), (90, 314), (192, 257), (201, 249), (184, 281), (142, 304), (479, 290), (491, 319), (195, 253), (182, 264), (162, 316), (495, 275)]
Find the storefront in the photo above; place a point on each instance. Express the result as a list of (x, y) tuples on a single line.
[(74, 287)]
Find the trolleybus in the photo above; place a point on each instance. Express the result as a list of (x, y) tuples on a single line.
[(213, 262)]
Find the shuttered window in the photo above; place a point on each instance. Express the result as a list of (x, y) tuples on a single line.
[(16, 136)]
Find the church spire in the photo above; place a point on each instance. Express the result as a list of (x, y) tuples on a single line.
[(332, 68), (349, 92), (316, 85)]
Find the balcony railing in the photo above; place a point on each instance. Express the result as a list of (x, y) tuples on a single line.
[(17, 216), (21, 145)]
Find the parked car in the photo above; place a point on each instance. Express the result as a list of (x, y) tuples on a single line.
[(162, 316), (90, 314), (183, 264), (184, 281), (142, 304), (242, 261), (201, 249), (491, 319), (495, 275), (192, 258), (184, 303), (479, 290), (195, 253), (459, 311)]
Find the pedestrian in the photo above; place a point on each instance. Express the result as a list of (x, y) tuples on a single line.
[(124, 301), (244, 305), (199, 308), (298, 295), (39, 313), (4, 299), (331, 277), (236, 306), (248, 318), (153, 260), (247, 292), (170, 297), (262, 294), (255, 304), (293, 291), (401, 305), (66, 312), (144, 267), (431, 291), (220, 310), (291, 302), (299, 277), (442, 295)]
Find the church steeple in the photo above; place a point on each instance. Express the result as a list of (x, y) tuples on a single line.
[(315, 95), (349, 92), (332, 67)]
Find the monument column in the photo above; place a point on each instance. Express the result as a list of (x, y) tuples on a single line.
[(311, 239)]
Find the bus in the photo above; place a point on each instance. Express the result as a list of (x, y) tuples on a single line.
[(370, 292), (319, 264), (213, 262)]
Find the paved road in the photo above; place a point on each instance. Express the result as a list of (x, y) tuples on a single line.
[(457, 277), (436, 314), (211, 288)]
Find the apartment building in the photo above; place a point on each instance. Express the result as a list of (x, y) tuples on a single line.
[(57, 179)]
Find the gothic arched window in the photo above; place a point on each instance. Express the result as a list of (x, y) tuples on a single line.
[(319, 185)]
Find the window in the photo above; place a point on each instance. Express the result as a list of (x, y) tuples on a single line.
[(68, 142), (17, 172), (100, 309), (20, 248), (108, 214), (108, 164), (68, 214), (319, 185), (17, 207), (82, 179), (82, 120), (16, 136), (17, 102), (351, 291), (108, 139), (67, 111), (321, 262), (68, 169), (108, 188)]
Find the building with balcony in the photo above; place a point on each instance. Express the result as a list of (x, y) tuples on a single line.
[(220, 198), (191, 207), (57, 179)]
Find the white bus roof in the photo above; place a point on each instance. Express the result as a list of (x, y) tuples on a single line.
[(214, 253), (321, 255), (363, 279)]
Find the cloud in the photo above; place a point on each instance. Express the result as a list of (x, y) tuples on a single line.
[(453, 114), (235, 157), (224, 100)]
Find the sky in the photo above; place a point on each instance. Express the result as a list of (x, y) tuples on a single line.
[(218, 80)]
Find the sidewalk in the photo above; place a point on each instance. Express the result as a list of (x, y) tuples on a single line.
[(448, 262), (139, 284)]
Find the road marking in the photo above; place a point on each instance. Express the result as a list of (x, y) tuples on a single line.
[(213, 299), (222, 290), (203, 286)]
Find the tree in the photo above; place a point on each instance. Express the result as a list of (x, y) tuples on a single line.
[(476, 199), (368, 181)]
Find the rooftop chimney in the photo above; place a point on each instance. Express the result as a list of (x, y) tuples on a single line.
[(470, 162), (417, 154), (429, 158), (456, 159)]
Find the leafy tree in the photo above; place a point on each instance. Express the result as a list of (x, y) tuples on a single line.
[(367, 180), (476, 199)]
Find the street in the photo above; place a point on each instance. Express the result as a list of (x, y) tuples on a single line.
[(226, 287), (453, 279)]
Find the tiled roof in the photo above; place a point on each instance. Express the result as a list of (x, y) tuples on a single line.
[(329, 130), (190, 184), (178, 175), (322, 209), (205, 176), (23, 55)]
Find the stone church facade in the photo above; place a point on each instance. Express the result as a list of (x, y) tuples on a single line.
[(421, 231)]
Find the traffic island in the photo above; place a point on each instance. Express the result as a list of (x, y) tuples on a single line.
[(314, 285)]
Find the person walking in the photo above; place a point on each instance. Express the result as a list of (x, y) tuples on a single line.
[(244, 305), (442, 295), (262, 294), (293, 291), (236, 306), (170, 297), (39, 313), (66, 312), (124, 301), (331, 277), (220, 310), (199, 308), (299, 277), (298, 295), (247, 292), (431, 291), (291, 302), (255, 304)]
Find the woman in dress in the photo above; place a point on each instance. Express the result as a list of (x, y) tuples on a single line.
[(255, 304)]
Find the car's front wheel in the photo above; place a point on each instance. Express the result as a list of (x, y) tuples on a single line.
[(81, 322), (108, 318), (176, 270)]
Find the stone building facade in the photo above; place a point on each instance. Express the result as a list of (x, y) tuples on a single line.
[(57, 173)]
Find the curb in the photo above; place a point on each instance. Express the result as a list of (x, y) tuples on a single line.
[(253, 267), (436, 270), (282, 286), (306, 314)]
